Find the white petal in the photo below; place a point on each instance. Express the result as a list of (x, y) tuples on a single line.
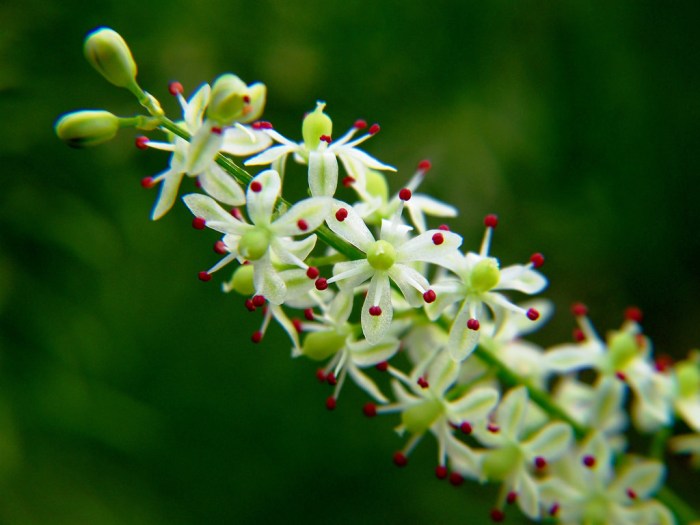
[(442, 373), (511, 412), (203, 149), (268, 282), (689, 409), (475, 404), (270, 155), (239, 142), (521, 278), (168, 193), (411, 283), (292, 252), (365, 383), (262, 203), (644, 478), (323, 173), (570, 357), (417, 217), (365, 354), (196, 106), (297, 283), (423, 248), (528, 495), (351, 274), (364, 158), (550, 442), (312, 212), (352, 228), (287, 325), (341, 307), (379, 294), (220, 185), (430, 206), (215, 216)]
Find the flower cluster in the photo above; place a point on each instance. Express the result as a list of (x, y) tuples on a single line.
[(354, 282)]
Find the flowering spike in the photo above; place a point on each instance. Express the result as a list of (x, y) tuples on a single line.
[(491, 220), (537, 260)]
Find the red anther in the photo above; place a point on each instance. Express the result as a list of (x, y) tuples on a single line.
[(441, 472), (261, 124), (370, 409), (236, 214), (216, 130), (511, 497), (400, 459), (302, 225), (331, 379), (309, 314), (429, 296), (312, 272), (297, 325), (532, 314), (375, 311), (383, 366), (348, 181), (578, 335), (256, 186), (438, 238), (147, 182), (374, 129), (540, 462), (321, 283), (325, 138), (360, 124), (197, 183), (641, 340), (631, 494), (220, 247), (663, 363), (321, 375), (405, 194), (341, 214), (330, 403), (473, 324), (264, 310), (632, 313), (444, 227), (204, 276), (259, 300), (554, 509), (493, 428), (141, 142), (256, 337), (249, 305), (588, 461), (246, 99), (491, 220), (497, 515), (423, 382), (621, 376), (579, 309), (466, 428), (537, 260), (175, 88), (456, 479), (424, 165)]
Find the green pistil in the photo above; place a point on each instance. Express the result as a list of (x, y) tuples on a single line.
[(381, 255), (485, 275), (254, 244)]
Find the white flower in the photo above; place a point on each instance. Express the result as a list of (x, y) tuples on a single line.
[(320, 152), (267, 236)]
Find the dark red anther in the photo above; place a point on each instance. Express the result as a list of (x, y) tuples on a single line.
[(423, 382), (302, 225), (236, 214), (493, 428), (532, 314), (217, 130), (321, 283), (175, 88), (424, 165), (438, 239), (456, 479), (261, 124), (405, 194), (375, 311), (256, 186), (554, 509), (204, 276), (197, 183), (348, 181), (249, 305), (141, 142), (341, 214), (321, 375), (331, 379), (578, 335), (400, 459), (631, 494), (540, 463), (621, 376), (220, 247), (259, 300), (309, 314), (579, 309), (383, 366), (511, 497), (497, 515), (330, 403), (588, 461), (370, 409), (360, 124), (491, 220), (473, 324), (441, 472), (325, 138), (444, 227), (256, 337), (198, 223), (246, 99), (373, 129), (297, 325), (632, 313), (147, 182), (312, 272), (429, 296), (537, 260), (466, 428), (663, 363)]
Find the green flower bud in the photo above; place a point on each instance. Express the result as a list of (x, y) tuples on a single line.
[(315, 125), (688, 374), (622, 348), (254, 244), (228, 99), (82, 129), (498, 463), (485, 275), (381, 255), (242, 281), (418, 418), (321, 345), (108, 53)]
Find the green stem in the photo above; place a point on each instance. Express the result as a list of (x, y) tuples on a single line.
[(684, 512)]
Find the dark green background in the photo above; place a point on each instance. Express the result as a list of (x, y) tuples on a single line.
[(129, 393)]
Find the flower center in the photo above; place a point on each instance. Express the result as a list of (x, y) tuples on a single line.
[(254, 244), (485, 275), (381, 255)]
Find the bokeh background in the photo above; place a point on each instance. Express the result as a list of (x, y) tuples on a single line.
[(129, 391)]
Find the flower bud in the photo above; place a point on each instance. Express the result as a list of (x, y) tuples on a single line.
[(321, 345), (242, 281), (108, 53), (227, 102), (82, 129), (485, 275), (315, 125), (420, 417)]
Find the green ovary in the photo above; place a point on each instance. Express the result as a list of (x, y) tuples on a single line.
[(622, 348), (688, 374), (381, 255), (501, 462), (420, 417), (321, 345), (254, 244), (485, 275)]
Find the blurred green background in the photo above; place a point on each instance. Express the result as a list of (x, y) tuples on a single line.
[(129, 391)]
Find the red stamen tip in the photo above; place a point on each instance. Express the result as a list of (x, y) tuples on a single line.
[(429, 296), (441, 472), (444, 227), (540, 462), (424, 165), (302, 225), (309, 314), (370, 409), (216, 130), (631, 494), (532, 314), (511, 497), (537, 260), (456, 479), (297, 325), (175, 88), (554, 509), (405, 194), (262, 124), (466, 428), (141, 142), (321, 375), (258, 300), (491, 221), (621, 376), (497, 515), (360, 124), (493, 428), (438, 238), (383, 366), (256, 186), (246, 99), (579, 309), (321, 283), (198, 223), (341, 214), (204, 276), (220, 247), (236, 214), (423, 382), (374, 129), (147, 182), (249, 305), (633, 313), (325, 138), (663, 362), (312, 272), (400, 459), (473, 324), (256, 337), (589, 461), (375, 311), (348, 181), (330, 403), (579, 336)]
